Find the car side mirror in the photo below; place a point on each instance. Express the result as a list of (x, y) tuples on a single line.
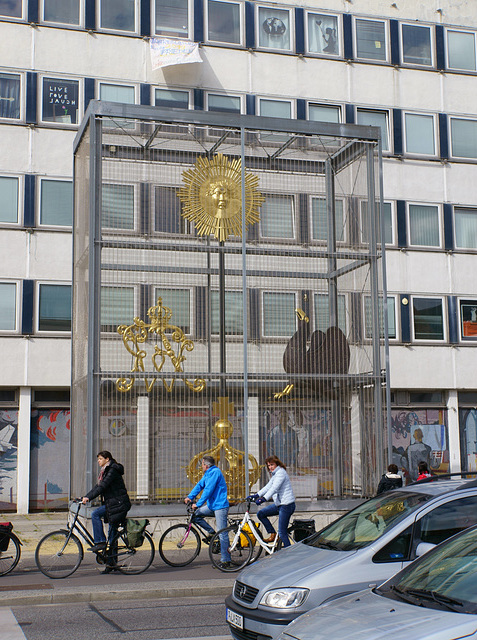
[(424, 547)]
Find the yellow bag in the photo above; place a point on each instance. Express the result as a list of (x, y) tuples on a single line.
[(243, 539)]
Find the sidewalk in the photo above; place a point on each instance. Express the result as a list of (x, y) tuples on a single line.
[(26, 585)]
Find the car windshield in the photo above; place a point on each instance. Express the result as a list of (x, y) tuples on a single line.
[(365, 524), (445, 578)]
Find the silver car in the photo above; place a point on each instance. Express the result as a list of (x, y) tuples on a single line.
[(363, 548), (425, 601)]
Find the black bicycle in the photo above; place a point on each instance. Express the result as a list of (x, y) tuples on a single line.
[(10, 548), (180, 544), (60, 553)]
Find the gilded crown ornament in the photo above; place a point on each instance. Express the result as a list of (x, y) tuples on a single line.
[(212, 196)]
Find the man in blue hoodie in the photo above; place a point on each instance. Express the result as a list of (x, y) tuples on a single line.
[(213, 501)]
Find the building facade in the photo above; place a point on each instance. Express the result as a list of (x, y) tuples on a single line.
[(408, 69)]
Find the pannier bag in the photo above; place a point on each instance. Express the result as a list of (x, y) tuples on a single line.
[(135, 529), (243, 539), (302, 529), (4, 540)]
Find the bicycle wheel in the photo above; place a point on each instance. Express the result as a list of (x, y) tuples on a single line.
[(240, 549), (11, 555), (127, 559), (179, 546), (59, 554)]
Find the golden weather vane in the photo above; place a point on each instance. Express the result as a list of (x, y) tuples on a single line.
[(212, 196), (136, 334)]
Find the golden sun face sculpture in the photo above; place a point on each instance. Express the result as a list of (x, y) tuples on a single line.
[(212, 197)]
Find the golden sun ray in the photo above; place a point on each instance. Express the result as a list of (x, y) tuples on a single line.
[(212, 197)]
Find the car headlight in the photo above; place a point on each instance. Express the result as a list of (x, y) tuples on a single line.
[(285, 598)]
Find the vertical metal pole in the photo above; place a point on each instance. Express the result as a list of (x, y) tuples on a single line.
[(375, 324), (336, 419), (245, 317), (94, 301)]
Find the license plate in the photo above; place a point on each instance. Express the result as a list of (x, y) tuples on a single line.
[(235, 619)]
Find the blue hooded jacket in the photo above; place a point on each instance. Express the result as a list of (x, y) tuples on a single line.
[(214, 490)]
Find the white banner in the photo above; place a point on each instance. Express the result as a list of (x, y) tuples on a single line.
[(165, 52)]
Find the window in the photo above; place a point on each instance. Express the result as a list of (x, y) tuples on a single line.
[(465, 228), (274, 28), (416, 44), (54, 307), (277, 217), (419, 131), (9, 199), (233, 312), (424, 225), (391, 303), (323, 36), (228, 104), (61, 11), (172, 18), (8, 304), (468, 319), (371, 39), (178, 301), (319, 219), (9, 96), (223, 22), (11, 8), (397, 550), (117, 307), (375, 118), (446, 520), (60, 101), (428, 315), (322, 312), (324, 113), (464, 138), (279, 318), (117, 93), (56, 203), (461, 50), (167, 210), (275, 109), (118, 15), (387, 213), (172, 98), (117, 206)]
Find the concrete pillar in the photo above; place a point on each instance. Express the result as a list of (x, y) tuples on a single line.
[(23, 451), (453, 430)]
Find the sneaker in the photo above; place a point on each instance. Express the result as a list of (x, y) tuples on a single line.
[(109, 569), (99, 546), (224, 565)]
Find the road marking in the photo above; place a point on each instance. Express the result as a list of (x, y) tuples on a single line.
[(10, 629)]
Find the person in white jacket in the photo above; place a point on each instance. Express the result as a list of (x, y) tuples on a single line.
[(280, 490)]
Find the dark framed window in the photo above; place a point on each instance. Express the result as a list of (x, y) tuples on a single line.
[(428, 318), (416, 44), (54, 307), (62, 11), (11, 8), (323, 34), (60, 101), (224, 22), (274, 28), (118, 15), (56, 202), (172, 18), (371, 39), (10, 85)]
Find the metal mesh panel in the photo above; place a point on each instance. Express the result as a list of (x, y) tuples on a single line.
[(241, 347)]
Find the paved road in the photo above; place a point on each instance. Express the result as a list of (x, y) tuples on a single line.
[(191, 618)]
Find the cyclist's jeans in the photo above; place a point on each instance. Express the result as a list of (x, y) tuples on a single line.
[(221, 520), (97, 522), (284, 513)]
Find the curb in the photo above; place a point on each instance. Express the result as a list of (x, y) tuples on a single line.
[(137, 591)]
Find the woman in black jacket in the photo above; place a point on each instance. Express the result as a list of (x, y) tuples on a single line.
[(114, 498)]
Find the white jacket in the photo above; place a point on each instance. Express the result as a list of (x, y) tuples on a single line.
[(279, 488)]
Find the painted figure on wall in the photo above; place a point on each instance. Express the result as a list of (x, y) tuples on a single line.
[(8, 459)]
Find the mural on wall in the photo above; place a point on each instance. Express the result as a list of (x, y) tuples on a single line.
[(420, 435), (8, 459), (49, 458), (468, 431)]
